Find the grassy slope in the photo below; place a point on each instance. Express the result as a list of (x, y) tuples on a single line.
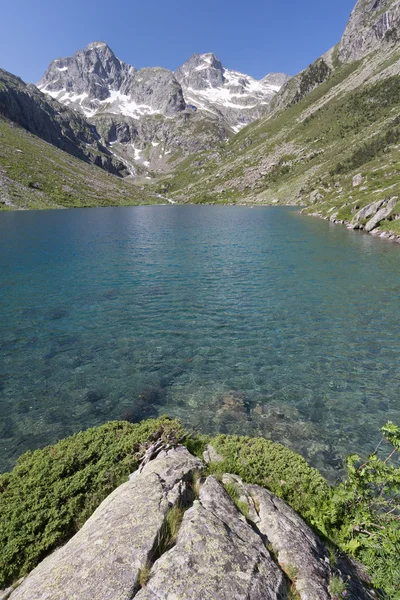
[(36, 175), (286, 156)]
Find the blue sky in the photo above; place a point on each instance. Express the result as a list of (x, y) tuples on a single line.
[(252, 36)]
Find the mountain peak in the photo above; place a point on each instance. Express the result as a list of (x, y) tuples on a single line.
[(99, 47), (94, 45)]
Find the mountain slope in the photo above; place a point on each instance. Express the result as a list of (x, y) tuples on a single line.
[(326, 125), (52, 122), (35, 175), (371, 23)]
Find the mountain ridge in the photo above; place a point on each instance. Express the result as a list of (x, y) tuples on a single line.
[(94, 80)]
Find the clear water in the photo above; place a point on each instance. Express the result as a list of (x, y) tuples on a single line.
[(251, 321)]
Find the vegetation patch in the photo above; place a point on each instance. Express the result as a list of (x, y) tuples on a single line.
[(51, 492)]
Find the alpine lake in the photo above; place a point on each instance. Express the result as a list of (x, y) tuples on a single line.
[(239, 320)]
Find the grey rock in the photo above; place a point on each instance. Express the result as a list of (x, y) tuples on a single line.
[(357, 179), (372, 24), (315, 196), (381, 214), (103, 559), (278, 79), (217, 556), (298, 549), (5, 594), (210, 455), (364, 213), (244, 496)]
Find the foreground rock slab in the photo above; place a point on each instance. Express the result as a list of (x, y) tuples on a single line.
[(298, 549), (103, 560), (217, 556), (243, 545)]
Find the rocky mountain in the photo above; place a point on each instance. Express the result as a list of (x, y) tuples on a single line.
[(371, 23), (155, 117), (208, 86), (94, 80), (66, 129)]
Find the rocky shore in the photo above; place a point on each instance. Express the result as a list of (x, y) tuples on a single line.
[(368, 218)]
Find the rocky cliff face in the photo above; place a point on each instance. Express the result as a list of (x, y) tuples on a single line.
[(94, 80), (209, 86), (52, 122), (170, 532), (372, 23)]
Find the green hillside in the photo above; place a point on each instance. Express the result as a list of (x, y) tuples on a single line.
[(36, 175), (347, 125)]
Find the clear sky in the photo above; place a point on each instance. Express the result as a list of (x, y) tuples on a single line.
[(252, 36)]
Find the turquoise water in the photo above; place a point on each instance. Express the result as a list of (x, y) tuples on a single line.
[(252, 321)]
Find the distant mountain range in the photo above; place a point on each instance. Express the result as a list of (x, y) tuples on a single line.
[(95, 81), (152, 118), (205, 133)]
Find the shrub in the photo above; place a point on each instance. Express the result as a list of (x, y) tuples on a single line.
[(51, 492), (271, 465)]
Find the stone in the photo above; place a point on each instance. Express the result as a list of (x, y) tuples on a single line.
[(315, 196), (381, 214), (210, 455), (217, 556), (364, 213), (298, 549), (104, 558), (357, 179)]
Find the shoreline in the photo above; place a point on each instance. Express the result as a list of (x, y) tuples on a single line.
[(389, 236)]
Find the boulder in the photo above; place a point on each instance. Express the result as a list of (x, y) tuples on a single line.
[(103, 560), (298, 549), (381, 214), (315, 196), (357, 179), (210, 455), (217, 556), (247, 544), (364, 213)]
